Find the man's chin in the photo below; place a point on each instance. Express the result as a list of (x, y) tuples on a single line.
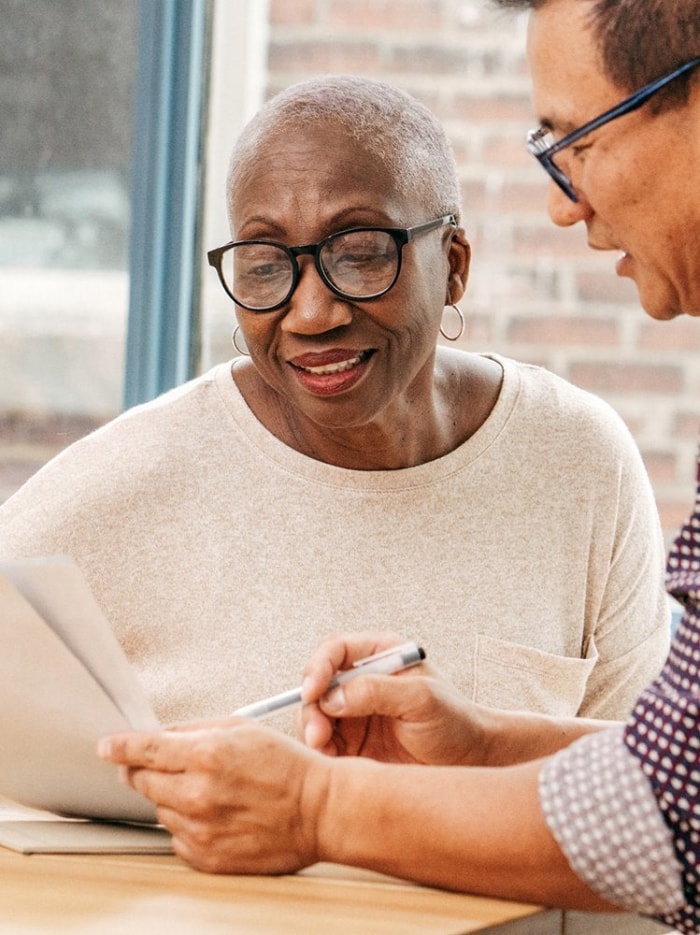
[(660, 310), (661, 306)]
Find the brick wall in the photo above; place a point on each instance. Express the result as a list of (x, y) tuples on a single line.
[(536, 292)]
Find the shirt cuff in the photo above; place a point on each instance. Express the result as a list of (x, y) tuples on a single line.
[(604, 816)]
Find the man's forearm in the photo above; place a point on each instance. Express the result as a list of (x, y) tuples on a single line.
[(474, 830), (511, 737)]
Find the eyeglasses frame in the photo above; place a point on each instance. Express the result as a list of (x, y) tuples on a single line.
[(545, 154), (400, 235)]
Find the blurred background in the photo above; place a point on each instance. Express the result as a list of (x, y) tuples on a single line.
[(116, 119)]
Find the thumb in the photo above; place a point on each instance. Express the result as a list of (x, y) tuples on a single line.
[(368, 695)]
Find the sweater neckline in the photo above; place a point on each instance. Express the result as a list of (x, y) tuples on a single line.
[(271, 448)]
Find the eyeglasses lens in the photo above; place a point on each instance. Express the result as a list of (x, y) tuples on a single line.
[(259, 275), (539, 143), (360, 263)]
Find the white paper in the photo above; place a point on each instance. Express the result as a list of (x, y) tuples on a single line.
[(58, 592), (52, 708), (83, 837)]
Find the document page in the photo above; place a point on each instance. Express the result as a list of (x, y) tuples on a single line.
[(57, 590), (64, 682)]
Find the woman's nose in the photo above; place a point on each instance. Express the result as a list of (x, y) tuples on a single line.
[(562, 210), (313, 308)]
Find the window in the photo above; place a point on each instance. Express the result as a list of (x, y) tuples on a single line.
[(68, 74)]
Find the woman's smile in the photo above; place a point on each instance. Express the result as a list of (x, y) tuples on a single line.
[(332, 371)]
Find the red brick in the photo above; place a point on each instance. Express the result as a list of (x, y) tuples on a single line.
[(543, 238), (626, 377), (673, 514), (682, 334), (502, 197), (478, 329), (492, 109), (633, 423), (503, 150), (385, 15), (433, 59), (661, 466), (307, 58), (293, 12), (687, 424), (566, 331), (601, 286)]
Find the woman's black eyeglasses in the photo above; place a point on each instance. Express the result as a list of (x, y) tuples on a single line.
[(542, 146), (360, 264)]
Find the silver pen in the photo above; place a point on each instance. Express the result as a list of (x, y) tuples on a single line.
[(385, 663)]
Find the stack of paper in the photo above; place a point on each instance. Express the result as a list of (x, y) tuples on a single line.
[(30, 831)]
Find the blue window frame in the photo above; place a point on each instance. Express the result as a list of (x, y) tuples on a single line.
[(165, 241)]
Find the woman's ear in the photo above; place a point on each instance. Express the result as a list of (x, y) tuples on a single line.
[(459, 257)]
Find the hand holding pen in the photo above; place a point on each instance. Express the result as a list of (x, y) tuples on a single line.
[(411, 718), (387, 662)]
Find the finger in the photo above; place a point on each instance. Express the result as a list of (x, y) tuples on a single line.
[(199, 843), (171, 819), (340, 652), (217, 723), (163, 789), (318, 730), (386, 695), (164, 751)]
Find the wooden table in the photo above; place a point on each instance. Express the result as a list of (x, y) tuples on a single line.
[(140, 895), (107, 894)]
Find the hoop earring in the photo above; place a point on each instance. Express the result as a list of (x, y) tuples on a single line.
[(454, 337), (243, 351)]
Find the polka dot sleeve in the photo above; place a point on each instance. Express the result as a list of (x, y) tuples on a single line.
[(663, 733), (605, 817), (624, 804)]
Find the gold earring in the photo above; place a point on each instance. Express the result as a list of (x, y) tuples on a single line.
[(243, 351), (460, 332)]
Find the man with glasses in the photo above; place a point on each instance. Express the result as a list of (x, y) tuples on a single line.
[(613, 818), (544, 145)]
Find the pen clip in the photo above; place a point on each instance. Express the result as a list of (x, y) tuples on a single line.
[(382, 655)]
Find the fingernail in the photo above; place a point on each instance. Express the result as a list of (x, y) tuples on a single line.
[(104, 747), (334, 701)]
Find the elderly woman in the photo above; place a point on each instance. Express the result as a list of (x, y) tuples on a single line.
[(349, 473), (613, 820)]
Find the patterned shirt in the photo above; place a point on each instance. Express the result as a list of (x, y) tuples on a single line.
[(624, 804)]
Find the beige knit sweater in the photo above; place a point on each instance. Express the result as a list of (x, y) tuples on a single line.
[(528, 562)]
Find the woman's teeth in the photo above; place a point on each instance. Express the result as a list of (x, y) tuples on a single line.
[(340, 367)]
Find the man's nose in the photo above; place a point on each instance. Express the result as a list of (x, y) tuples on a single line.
[(562, 210), (313, 308)]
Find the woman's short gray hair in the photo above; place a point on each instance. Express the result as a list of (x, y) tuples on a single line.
[(392, 125)]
